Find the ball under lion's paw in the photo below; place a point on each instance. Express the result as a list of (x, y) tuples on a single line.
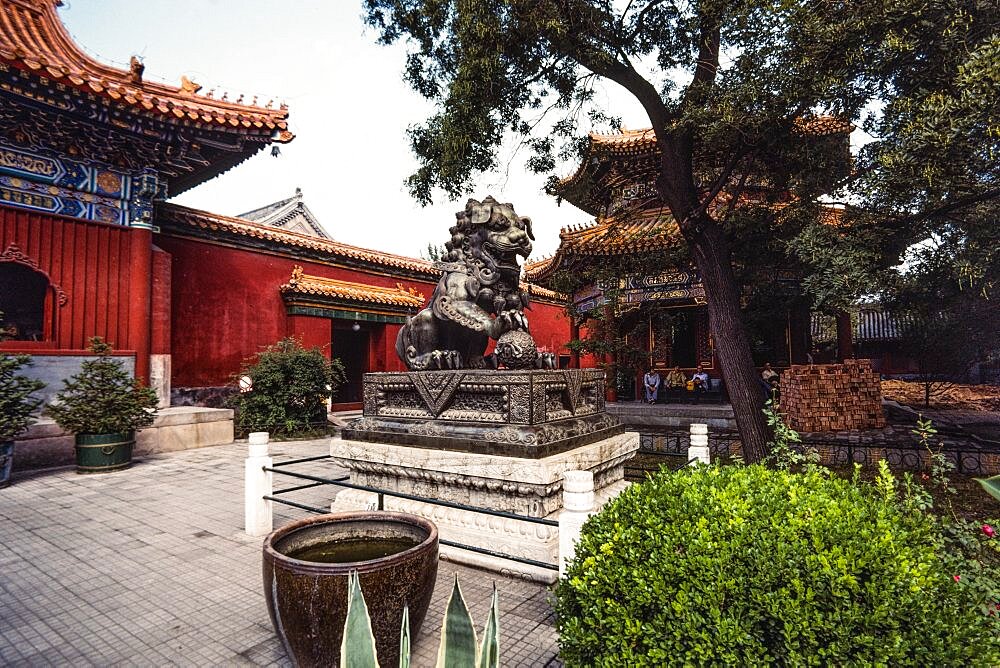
[(517, 350)]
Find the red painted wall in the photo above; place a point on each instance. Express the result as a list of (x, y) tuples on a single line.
[(549, 326), (226, 307), (92, 263), (160, 328)]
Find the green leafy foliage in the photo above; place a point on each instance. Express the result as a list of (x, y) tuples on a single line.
[(103, 398), (288, 386), (753, 566), (16, 402), (787, 453)]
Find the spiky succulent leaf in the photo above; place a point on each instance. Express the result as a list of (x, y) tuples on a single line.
[(357, 649), (458, 635), (404, 639), (991, 485), (489, 651)]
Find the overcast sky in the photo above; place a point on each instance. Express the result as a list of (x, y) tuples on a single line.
[(349, 108)]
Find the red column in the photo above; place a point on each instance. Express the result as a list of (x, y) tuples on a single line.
[(140, 297), (574, 335)]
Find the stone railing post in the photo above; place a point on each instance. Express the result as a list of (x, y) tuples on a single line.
[(699, 444), (578, 505), (258, 518)]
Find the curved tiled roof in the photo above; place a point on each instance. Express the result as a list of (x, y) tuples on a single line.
[(649, 230), (319, 286), (597, 169), (32, 38), (179, 218), (288, 214), (539, 292)]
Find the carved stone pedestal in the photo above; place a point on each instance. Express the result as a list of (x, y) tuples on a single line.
[(532, 414), (522, 485)]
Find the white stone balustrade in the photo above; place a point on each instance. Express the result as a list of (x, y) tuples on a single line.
[(698, 450), (578, 505), (258, 517)]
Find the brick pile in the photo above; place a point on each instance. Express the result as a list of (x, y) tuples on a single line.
[(832, 397)]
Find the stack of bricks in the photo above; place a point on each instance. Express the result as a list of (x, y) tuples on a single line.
[(832, 397)]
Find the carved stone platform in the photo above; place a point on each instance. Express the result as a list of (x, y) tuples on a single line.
[(532, 414), (530, 486)]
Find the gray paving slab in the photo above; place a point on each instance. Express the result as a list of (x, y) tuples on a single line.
[(150, 567)]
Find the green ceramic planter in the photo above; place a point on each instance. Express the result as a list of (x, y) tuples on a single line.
[(100, 453)]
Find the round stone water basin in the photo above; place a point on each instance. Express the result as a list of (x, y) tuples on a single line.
[(305, 568)]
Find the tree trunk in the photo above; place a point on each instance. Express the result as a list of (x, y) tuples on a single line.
[(710, 251)]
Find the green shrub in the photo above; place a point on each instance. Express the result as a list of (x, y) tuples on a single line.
[(16, 401), (287, 388), (752, 566), (103, 398)]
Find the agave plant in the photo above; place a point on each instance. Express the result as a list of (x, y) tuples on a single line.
[(458, 647), (991, 485)]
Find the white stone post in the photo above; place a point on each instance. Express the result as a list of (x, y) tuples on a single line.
[(257, 483), (578, 505), (699, 444)]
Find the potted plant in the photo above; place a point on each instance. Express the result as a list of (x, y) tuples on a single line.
[(104, 406), (16, 407)]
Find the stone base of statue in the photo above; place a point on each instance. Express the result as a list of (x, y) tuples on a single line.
[(524, 486), (492, 439), (533, 413)]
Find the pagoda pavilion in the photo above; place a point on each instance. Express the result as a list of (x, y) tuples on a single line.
[(662, 314), (89, 246)]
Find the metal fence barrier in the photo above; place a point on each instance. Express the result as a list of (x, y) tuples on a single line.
[(578, 497)]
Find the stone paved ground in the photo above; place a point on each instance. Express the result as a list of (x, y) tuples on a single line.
[(150, 567)]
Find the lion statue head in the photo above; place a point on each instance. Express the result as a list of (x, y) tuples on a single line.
[(490, 234)]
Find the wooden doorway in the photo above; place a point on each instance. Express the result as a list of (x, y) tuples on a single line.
[(351, 347)]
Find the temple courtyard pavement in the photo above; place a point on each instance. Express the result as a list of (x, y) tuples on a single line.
[(150, 567)]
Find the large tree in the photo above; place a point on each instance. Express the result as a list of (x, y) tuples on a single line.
[(725, 84)]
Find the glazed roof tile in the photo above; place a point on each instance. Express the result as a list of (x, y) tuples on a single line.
[(180, 217), (319, 286), (289, 214), (539, 292), (649, 230), (645, 139), (598, 170), (33, 38), (640, 233)]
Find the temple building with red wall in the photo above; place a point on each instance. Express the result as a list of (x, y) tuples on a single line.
[(661, 314), (89, 245)]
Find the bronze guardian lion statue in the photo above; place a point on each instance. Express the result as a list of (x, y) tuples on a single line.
[(479, 296)]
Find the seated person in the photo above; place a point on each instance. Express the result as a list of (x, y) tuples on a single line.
[(768, 373), (651, 383), (675, 379), (700, 382)]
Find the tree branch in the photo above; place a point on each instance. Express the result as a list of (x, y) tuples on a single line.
[(707, 66)]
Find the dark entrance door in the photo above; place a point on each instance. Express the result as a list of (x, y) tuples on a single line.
[(683, 351), (351, 348)]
